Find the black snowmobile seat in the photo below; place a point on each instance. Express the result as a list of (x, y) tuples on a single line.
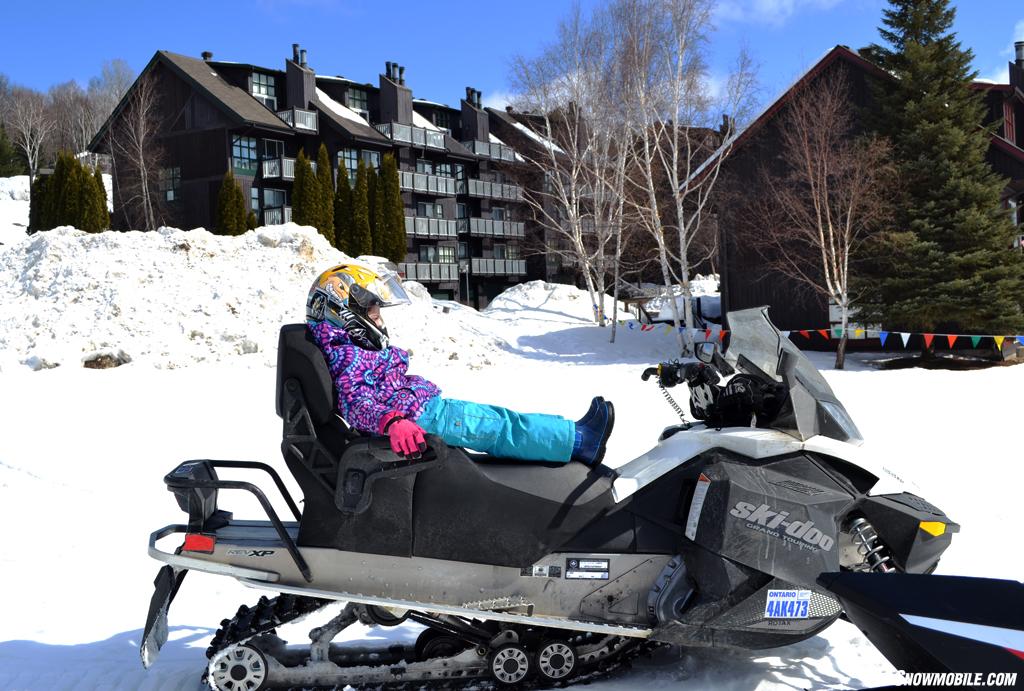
[(450, 506)]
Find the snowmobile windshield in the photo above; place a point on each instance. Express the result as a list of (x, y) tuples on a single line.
[(757, 348)]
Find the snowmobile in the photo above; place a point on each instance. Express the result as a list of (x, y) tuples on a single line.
[(545, 574)]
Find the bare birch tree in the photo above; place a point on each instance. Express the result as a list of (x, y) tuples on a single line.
[(137, 154), (31, 125), (830, 193), (676, 105), (566, 91)]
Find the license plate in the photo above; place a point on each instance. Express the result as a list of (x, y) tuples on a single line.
[(788, 604), (166, 585)]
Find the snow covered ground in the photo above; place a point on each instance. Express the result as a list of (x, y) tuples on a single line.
[(83, 452)]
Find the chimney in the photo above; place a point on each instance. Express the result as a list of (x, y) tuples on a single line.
[(302, 57), (395, 98), (388, 70), (295, 52), (401, 75), (1019, 48), (479, 99), (475, 125), (207, 55)]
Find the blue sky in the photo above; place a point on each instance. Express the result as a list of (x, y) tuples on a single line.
[(445, 46)]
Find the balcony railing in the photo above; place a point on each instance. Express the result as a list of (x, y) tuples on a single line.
[(499, 152), (431, 184), (505, 267), (407, 134), (244, 166), (431, 227), (283, 168), (494, 190), (273, 217), (429, 272), (486, 227), (300, 119)]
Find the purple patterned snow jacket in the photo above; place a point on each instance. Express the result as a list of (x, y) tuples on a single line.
[(370, 384)]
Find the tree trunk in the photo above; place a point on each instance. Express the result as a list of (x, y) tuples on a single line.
[(841, 350)]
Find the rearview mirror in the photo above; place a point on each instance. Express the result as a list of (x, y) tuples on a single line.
[(705, 352)]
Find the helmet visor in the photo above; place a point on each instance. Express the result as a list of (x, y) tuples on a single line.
[(386, 291)]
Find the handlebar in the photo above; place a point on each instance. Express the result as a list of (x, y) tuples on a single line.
[(650, 372)]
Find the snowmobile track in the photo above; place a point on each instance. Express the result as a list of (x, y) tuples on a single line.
[(269, 613)]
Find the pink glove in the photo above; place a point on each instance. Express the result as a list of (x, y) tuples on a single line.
[(406, 438)]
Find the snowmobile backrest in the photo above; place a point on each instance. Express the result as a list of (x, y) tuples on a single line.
[(299, 358)]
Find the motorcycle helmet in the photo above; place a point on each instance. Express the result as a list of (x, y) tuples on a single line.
[(343, 295)]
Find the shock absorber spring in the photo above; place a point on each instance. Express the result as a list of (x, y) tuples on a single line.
[(869, 546)]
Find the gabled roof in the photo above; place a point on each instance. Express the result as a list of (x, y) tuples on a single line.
[(347, 120), (742, 135), (237, 104)]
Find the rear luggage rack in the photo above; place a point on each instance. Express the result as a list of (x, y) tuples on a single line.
[(195, 485)]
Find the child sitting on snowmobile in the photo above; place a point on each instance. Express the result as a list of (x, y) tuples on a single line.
[(376, 395)]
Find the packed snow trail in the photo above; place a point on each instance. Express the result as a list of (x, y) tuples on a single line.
[(83, 452)]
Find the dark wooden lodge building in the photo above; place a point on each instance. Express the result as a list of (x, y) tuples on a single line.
[(465, 220), (745, 281)]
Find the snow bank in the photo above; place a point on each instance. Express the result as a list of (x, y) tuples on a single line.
[(13, 209)]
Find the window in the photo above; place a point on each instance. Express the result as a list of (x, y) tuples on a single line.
[(264, 90), (273, 199), (442, 120), (254, 199), (428, 253), (428, 210), (444, 170), (511, 251), (356, 99), (463, 250), (461, 211), (243, 152), (499, 252), (424, 166), (272, 148), (460, 171), (372, 159), (446, 254), (170, 183), (497, 213), (348, 160)]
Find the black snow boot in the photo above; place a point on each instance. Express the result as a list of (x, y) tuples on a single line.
[(595, 405), (592, 435)]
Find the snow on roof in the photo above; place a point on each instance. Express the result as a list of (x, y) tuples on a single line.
[(338, 109), (335, 77), (431, 103), (495, 140), (420, 121), (543, 141)]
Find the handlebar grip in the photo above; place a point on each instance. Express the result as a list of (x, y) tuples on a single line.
[(649, 372)]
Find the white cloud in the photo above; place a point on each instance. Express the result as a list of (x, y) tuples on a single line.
[(1000, 73), (497, 99), (774, 12)]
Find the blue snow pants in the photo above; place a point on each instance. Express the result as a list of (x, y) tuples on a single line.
[(499, 431)]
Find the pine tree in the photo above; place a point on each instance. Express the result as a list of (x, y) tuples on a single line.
[(37, 202), (325, 178), (381, 229), (373, 199), (343, 213), (947, 264), (250, 220), (102, 192), (10, 162), (230, 219), (361, 241), (394, 210), (90, 201), (306, 196)]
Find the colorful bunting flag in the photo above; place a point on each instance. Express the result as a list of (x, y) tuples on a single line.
[(906, 337), (928, 340), (975, 340), (805, 333), (824, 333), (785, 334), (952, 339), (707, 334), (882, 335), (646, 327), (1020, 339), (838, 331), (631, 325), (858, 333), (999, 341)]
